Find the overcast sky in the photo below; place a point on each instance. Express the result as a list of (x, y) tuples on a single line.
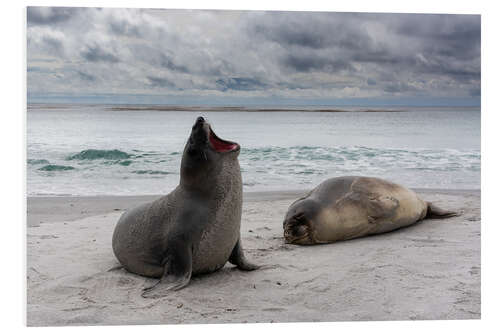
[(134, 55)]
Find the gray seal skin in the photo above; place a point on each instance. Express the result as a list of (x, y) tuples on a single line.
[(349, 207), (194, 229)]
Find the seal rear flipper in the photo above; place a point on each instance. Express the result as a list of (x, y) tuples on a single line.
[(115, 268), (176, 274), (238, 258), (434, 212)]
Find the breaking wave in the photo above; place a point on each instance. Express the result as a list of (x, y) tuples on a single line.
[(56, 167), (95, 154)]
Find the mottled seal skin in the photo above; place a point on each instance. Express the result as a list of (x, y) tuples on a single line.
[(194, 229), (349, 207)]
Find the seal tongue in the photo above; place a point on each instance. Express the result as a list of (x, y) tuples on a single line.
[(221, 145)]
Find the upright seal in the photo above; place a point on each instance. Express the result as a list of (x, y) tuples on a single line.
[(195, 228), (350, 207)]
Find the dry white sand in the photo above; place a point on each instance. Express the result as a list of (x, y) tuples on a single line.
[(427, 271)]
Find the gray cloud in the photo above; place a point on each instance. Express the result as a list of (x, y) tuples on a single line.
[(167, 62), (292, 35), (475, 91), (86, 77), (450, 44), (124, 28), (311, 30), (160, 82), (54, 45), (96, 53), (240, 83), (397, 87), (313, 62), (257, 54), (49, 15)]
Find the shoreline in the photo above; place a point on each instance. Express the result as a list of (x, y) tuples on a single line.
[(43, 209)]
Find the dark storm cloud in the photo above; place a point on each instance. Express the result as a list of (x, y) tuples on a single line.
[(445, 41), (292, 35), (459, 74), (49, 15), (310, 63), (96, 54), (450, 67), (449, 45), (310, 30), (446, 35), (333, 41), (381, 57)]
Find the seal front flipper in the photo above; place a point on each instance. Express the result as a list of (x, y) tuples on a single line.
[(176, 274), (377, 207), (381, 207), (238, 258)]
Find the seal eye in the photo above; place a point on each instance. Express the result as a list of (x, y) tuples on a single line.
[(299, 230), (299, 219)]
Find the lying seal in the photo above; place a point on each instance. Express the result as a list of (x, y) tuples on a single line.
[(350, 207), (194, 229)]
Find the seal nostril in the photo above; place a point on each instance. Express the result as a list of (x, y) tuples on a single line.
[(199, 122)]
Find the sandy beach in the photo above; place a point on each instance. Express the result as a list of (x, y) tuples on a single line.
[(431, 270)]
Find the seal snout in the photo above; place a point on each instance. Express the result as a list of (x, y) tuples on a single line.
[(200, 132), (199, 122), (296, 228)]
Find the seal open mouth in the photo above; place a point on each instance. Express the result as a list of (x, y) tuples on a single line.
[(202, 132), (221, 146)]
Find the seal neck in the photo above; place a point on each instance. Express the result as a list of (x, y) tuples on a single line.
[(196, 178)]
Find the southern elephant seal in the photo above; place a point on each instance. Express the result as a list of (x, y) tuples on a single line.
[(195, 228), (349, 207)]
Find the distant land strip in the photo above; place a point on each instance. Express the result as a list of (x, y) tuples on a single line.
[(236, 109)]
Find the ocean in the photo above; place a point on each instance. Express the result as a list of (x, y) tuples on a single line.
[(83, 150)]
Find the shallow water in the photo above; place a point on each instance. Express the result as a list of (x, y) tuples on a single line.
[(90, 150)]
